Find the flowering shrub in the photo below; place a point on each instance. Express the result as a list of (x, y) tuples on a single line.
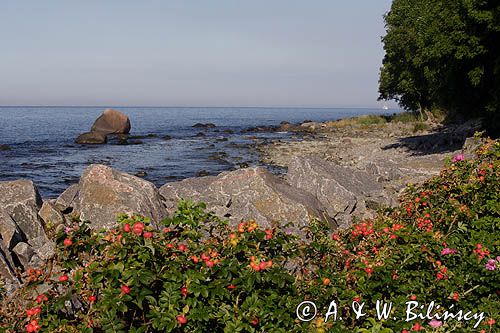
[(197, 274), (441, 244)]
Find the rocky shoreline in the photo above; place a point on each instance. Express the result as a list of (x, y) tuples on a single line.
[(338, 172)]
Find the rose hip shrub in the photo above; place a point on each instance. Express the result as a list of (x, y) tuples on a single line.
[(197, 274), (441, 244), (194, 275)]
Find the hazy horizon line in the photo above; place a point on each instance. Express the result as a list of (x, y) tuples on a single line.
[(192, 107)]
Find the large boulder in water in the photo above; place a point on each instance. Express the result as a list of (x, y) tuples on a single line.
[(112, 122), (103, 193), (252, 193)]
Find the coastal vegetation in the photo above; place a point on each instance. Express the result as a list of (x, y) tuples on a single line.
[(443, 55), (198, 274)]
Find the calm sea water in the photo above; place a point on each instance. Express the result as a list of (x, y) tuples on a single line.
[(43, 149)]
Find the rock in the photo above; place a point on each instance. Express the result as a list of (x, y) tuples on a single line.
[(104, 193), (202, 173), (166, 137), (8, 269), (63, 202), (20, 224), (50, 215), (228, 131), (470, 146), (112, 122), (200, 135), (21, 201), (4, 147), (250, 193), (207, 125), (24, 253), (141, 174), (345, 192), (9, 231), (91, 138)]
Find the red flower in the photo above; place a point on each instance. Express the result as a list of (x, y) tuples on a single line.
[(181, 319), (231, 287), (413, 297), (148, 234), (182, 247), (417, 327), (184, 291), (255, 322), (138, 228), (41, 298), (63, 278), (67, 242), (92, 299), (369, 270), (195, 259), (125, 289), (126, 227), (32, 326)]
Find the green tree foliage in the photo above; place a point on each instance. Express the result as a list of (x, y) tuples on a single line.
[(443, 54)]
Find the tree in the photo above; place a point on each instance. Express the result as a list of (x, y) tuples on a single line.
[(443, 54)]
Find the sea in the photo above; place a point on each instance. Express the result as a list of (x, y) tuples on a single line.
[(42, 146)]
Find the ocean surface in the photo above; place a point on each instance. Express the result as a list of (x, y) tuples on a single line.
[(42, 148)]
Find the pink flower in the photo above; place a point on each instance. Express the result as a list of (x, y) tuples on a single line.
[(490, 265), (67, 230), (434, 323), (448, 251), (459, 157)]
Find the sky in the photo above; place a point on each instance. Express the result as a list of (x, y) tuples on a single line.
[(307, 53)]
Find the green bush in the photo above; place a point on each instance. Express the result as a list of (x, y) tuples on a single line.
[(200, 275)]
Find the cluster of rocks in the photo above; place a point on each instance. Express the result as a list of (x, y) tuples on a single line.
[(316, 186), (110, 122), (312, 189)]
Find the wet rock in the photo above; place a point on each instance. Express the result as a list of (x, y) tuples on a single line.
[(166, 137), (141, 174), (228, 131), (91, 138), (104, 193), (4, 147), (207, 125), (202, 173), (112, 122), (200, 135), (251, 193)]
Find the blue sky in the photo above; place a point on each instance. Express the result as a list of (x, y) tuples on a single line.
[(316, 53)]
